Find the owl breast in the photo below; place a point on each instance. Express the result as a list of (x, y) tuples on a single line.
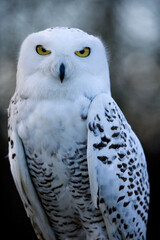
[(54, 136)]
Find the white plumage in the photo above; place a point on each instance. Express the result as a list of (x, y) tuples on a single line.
[(79, 168)]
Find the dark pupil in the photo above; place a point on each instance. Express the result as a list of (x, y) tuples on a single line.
[(43, 50), (82, 51)]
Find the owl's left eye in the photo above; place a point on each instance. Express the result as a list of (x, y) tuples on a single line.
[(84, 52), (41, 50)]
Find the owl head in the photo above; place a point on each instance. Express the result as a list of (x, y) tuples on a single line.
[(62, 62)]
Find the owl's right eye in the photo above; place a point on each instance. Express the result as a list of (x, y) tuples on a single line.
[(41, 50)]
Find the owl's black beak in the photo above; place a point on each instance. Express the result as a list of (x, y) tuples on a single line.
[(61, 72)]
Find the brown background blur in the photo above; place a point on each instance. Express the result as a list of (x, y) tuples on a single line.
[(131, 31)]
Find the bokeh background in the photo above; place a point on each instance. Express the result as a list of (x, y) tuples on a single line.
[(131, 31)]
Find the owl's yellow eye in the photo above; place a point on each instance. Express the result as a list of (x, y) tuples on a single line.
[(84, 52), (41, 50)]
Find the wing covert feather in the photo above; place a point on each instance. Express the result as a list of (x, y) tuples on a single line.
[(117, 170)]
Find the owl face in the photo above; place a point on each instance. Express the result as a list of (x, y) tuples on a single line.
[(60, 59)]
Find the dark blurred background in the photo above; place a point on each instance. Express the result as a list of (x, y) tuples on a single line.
[(131, 30)]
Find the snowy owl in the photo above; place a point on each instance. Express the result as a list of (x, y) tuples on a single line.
[(79, 168)]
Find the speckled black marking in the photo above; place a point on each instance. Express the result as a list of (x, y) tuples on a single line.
[(118, 216), (90, 127), (13, 155), (120, 198), (135, 206), (121, 155), (130, 193), (103, 159), (125, 204), (98, 117), (125, 226), (114, 127), (121, 187), (131, 179), (84, 117), (99, 146), (119, 165), (117, 146), (12, 144), (124, 179), (99, 127), (105, 139), (116, 134)]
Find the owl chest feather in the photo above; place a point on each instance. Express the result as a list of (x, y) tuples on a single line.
[(54, 136)]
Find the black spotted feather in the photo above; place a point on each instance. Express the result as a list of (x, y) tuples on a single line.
[(117, 170)]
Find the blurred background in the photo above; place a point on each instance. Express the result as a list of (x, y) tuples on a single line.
[(131, 31)]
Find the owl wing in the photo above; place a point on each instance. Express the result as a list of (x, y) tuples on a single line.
[(117, 170), (26, 189)]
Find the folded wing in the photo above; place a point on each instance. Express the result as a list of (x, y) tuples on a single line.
[(117, 171), (26, 189)]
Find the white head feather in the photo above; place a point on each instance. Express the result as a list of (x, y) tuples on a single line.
[(38, 75)]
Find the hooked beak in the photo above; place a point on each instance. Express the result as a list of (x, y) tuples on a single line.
[(61, 72)]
